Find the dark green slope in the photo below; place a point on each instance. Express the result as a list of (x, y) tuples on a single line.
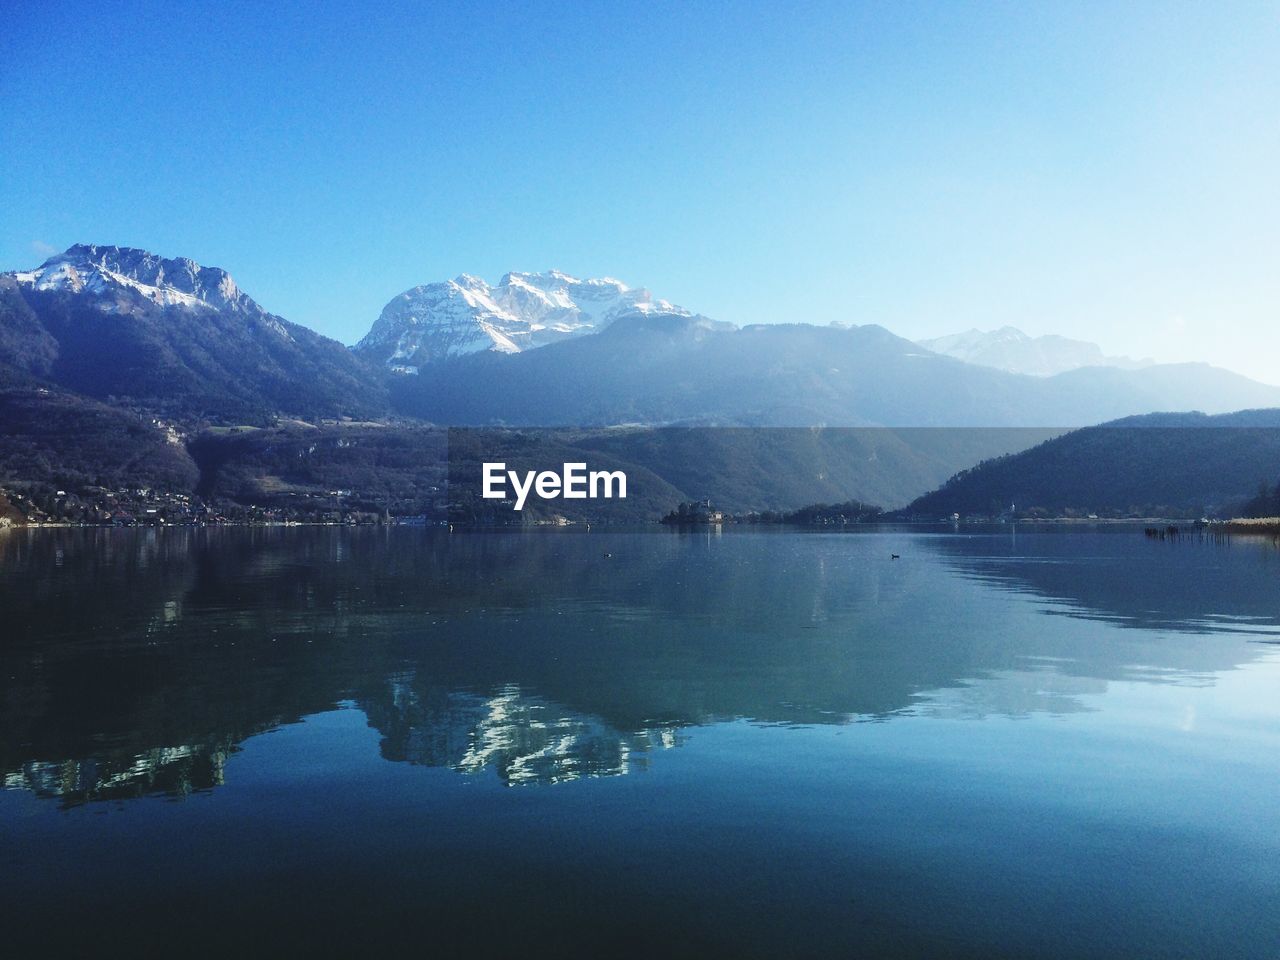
[(67, 441), (1180, 464), (404, 469), (782, 468)]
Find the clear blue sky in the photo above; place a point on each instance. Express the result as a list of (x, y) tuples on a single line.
[(1104, 171)]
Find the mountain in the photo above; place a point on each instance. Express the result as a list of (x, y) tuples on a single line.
[(522, 311), (182, 341), (123, 370), (1183, 464), (1012, 350), (67, 441), (745, 469), (171, 336), (664, 368)]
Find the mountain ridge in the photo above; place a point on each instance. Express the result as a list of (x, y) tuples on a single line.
[(120, 324), (1160, 464), (523, 311), (683, 370), (1013, 351), (123, 325), (185, 357), (165, 281)]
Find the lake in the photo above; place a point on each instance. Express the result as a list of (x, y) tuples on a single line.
[(1006, 743)]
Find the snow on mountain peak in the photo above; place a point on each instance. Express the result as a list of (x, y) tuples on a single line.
[(108, 271), (520, 312)]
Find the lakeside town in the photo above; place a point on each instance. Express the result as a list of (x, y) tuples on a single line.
[(143, 506), (147, 507)]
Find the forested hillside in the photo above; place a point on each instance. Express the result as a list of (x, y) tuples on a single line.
[(1157, 465)]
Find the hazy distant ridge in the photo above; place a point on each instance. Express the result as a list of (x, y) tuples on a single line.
[(1014, 351)]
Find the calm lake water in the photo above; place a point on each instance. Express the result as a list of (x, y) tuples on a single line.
[(559, 743)]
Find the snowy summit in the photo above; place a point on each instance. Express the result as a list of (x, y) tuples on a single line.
[(521, 311), (105, 272)]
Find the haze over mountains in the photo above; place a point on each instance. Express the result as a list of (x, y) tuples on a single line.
[(1014, 351), (669, 369), (101, 334)]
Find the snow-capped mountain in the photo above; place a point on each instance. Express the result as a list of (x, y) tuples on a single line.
[(522, 311), (1010, 349), (173, 337), (182, 342), (104, 272)]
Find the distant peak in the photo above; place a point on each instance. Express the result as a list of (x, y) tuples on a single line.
[(558, 279), (102, 269), (93, 251), (521, 311), (1008, 348), (128, 258)]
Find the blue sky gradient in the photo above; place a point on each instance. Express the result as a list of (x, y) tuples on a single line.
[(1100, 171)]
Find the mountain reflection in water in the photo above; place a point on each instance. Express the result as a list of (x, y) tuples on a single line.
[(137, 662), (522, 738)]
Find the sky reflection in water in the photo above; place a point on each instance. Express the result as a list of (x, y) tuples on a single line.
[(1090, 715)]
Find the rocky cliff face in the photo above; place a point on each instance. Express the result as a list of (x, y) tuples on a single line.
[(522, 311), (174, 337), (106, 272)]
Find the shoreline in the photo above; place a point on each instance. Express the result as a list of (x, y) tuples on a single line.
[(1262, 525)]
